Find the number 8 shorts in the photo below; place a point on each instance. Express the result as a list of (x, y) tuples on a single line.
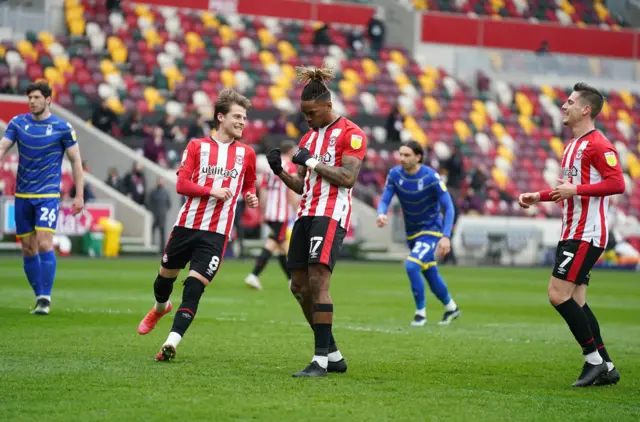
[(203, 249), (574, 261), (315, 240), (33, 214)]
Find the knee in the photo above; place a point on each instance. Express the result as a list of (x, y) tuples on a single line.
[(193, 290), (298, 288), (167, 273), (557, 296), (412, 267), (45, 245), (29, 246)]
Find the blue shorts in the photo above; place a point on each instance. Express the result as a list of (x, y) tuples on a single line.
[(36, 214), (423, 250)]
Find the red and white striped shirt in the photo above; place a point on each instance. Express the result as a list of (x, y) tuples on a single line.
[(590, 162), (328, 145), (207, 163), (276, 200)]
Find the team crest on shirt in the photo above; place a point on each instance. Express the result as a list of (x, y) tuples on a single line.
[(333, 140), (579, 155), (165, 258), (49, 130), (239, 160), (356, 141), (73, 135), (611, 158)]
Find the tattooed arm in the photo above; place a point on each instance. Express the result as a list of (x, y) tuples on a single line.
[(344, 176), (294, 181)]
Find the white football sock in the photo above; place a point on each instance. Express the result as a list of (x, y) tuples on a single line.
[(593, 358), (335, 356), (161, 307), (323, 361), (173, 339), (451, 306), (422, 312), (610, 366)]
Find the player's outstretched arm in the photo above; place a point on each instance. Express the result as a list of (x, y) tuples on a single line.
[(385, 201), (73, 153), (5, 144), (344, 176), (446, 202)]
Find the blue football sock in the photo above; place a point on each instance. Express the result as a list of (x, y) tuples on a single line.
[(417, 283), (48, 268), (437, 284), (33, 272)]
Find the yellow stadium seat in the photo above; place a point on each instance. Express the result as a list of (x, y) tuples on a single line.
[(266, 38), (524, 105), (119, 55), (286, 50), (461, 129), (3, 51), (624, 116), (288, 71), (114, 104), (284, 82), (420, 4), (74, 13), (173, 75), (601, 10), (107, 67), (398, 58), (141, 9), (53, 76), (432, 72), (402, 80), (606, 109), (427, 83), (267, 58), (152, 97), (370, 68), (498, 130), (347, 88), (497, 5), (113, 42), (557, 146), (567, 7), (526, 124), (581, 24), (352, 76), (548, 91), (226, 33), (499, 177), (276, 93), (419, 136), (228, 78), (62, 64), (410, 123), (633, 165), (46, 38), (505, 153), (627, 98), (478, 119), (71, 3), (292, 130), (479, 106), (432, 106), (209, 20)]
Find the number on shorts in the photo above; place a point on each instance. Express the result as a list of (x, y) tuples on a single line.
[(315, 242), (569, 257), (213, 265), (422, 248), (48, 215)]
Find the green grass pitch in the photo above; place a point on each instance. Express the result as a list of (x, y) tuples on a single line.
[(509, 356)]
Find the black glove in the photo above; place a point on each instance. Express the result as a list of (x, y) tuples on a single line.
[(301, 156), (275, 162)]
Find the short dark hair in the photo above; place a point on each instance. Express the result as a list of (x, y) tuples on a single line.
[(41, 86), (316, 83), (287, 146), (591, 96), (227, 98), (415, 147)]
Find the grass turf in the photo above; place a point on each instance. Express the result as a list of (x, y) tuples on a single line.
[(509, 356)]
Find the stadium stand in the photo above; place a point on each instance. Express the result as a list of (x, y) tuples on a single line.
[(172, 62)]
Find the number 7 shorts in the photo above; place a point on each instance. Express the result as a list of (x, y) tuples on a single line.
[(315, 240), (574, 261), (33, 214), (203, 249)]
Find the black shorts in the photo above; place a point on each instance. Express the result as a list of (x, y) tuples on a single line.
[(277, 231), (203, 249), (315, 240), (574, 261)]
